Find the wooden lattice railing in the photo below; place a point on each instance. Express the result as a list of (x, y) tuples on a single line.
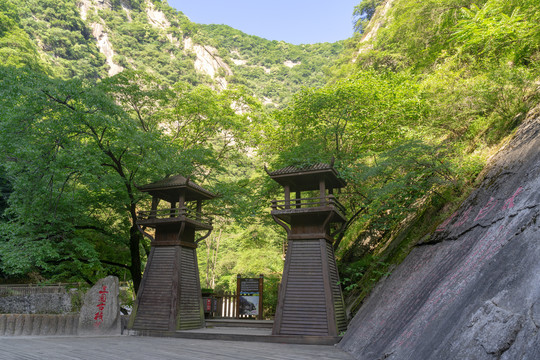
[(174, 213), (312, 202)]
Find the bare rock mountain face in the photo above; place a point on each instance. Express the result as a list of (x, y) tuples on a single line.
[(471, 291)]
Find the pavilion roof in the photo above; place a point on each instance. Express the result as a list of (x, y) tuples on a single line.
[(307, 178), (171, 187)]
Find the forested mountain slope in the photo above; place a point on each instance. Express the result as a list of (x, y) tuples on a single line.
[(93, 39), (449, 83), (468, 289)]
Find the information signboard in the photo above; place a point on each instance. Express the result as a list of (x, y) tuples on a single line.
[(250, 296)]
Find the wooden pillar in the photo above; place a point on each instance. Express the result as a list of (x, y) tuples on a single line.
[(155, 203), (181, 204), (287, 197), (261, 290), (298, 197), (322, 190), (181, 200), (238, 285)]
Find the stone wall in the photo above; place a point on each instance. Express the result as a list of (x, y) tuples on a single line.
[(38, 324), (53, 303), (31, 313)]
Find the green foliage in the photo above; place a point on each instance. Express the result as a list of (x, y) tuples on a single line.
[(69, 160), (500, 30), (418, 31), (394, 180), (475, 76), (363, 12), (365, 112), (58, 30), (271, 69), (16, 48), (81, 148)]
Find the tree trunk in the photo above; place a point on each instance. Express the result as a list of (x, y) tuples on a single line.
[(135, 238)]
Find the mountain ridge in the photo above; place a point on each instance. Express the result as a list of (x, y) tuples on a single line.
[(98, 38)]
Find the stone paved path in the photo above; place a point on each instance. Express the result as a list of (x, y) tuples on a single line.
[(139, 348)]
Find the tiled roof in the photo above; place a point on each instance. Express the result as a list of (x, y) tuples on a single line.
[(307, 177), (175, 182), (294, 169)]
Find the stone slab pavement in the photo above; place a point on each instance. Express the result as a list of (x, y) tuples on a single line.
[(145, 348)]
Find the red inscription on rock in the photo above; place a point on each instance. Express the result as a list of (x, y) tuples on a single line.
[(509, 204), (463, 217), (101, 305), (486, 209), (446, 222)]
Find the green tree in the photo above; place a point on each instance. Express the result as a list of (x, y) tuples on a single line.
[(16, 48), (73, 169), (81, 149)]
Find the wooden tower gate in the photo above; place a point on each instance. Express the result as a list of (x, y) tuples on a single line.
[(169, 297), (310, 300)]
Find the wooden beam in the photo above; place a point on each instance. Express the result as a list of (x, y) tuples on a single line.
[(238, 287)]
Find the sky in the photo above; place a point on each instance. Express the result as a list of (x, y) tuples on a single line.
[(293, 21)]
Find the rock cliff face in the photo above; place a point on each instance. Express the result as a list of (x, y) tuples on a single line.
[(471, 291), (207, 61)]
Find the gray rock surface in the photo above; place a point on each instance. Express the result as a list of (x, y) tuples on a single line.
[(55, 303), (471, 291), (100, 313)]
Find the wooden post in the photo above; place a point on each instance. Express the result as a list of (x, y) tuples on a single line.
[(198, 213), (261, 288), (237, 307), (298, 196), (172, 212), (155, 203), (287, 197), (181, 203), (322, 190)]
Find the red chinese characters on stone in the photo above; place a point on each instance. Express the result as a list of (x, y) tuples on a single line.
[(491, 204), (509, 204), (443, 226), (486, 209), (463, 217), (101, 305)]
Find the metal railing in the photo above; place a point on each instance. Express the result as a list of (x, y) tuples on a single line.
[(312, 202), (174, 213)]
